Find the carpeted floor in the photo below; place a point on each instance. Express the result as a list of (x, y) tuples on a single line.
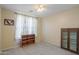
[(38, 49)]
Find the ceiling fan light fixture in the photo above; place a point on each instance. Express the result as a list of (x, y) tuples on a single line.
[(39, 7)]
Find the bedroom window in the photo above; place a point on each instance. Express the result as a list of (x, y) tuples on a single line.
[(25, 25)]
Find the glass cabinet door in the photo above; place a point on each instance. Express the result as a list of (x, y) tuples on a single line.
[(73, 41), (65, 39)]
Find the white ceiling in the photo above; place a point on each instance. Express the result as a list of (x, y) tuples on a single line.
[(29, 10)]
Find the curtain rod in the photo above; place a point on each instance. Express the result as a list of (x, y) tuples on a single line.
[(24, 14)]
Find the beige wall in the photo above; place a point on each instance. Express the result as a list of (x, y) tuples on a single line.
[(8, 32), (52, 25), (39, 30), (0, 30)]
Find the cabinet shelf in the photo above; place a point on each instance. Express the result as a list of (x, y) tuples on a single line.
[(27, 39), (70, 39)]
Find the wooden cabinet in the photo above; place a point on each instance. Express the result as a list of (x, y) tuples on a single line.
[(27, 39), (70, 39)]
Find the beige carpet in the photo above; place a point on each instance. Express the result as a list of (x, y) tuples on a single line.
[(38, 49)]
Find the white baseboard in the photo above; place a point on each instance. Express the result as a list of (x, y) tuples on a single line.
[(8, 48), (52, 44), (0, 52)]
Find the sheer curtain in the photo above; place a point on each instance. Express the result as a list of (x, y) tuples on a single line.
[(25, 25)]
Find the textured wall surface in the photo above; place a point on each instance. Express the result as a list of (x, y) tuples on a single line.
[(52, 25)]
